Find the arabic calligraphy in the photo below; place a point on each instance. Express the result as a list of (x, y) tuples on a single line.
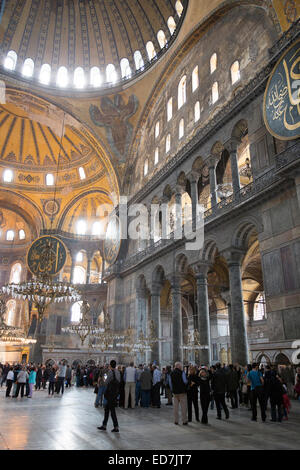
[(282, 96), (47, 255)]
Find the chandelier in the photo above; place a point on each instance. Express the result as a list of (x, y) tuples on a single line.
[(11, 335), (140, 344), (193, 342), (42, 292), (84, 327), (105, 338)]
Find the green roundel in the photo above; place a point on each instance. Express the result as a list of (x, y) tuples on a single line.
[(282, 96), (46, 256)]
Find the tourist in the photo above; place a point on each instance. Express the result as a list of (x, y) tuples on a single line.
[(31, 381), (62, 368), (257, 392), (138, 385), (178, 384), (146, 384), (167, 386), (112, 384), (130, 383), (21, 381), (233, 385), (156, 381), (192, 393), (103, 372), (205, 393), (121, 369), (219, 384), (68, 376), (52, 381), (39, 376), (9, 381), (276, 392)]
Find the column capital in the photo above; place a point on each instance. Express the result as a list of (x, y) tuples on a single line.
[(226, 296), (201, 269), (233, 256), (141, 292), (156, 288), (212, 161), (175, 280), (232, 144), (179, 190), (193, 176)]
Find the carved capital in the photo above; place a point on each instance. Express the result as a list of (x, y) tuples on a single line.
[(193, 177), (212, 161), (232, 145), (233, 256), (200, 269)]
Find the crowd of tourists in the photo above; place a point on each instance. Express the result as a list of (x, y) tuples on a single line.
[(221, 387)]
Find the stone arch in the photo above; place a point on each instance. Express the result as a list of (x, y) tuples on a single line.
[(282, 359), (245, 230), (158, 275), (25, 208), (141, 282), (167, 192), (240, 130), (262, 355), (217, 149), (181, 180), (209, 251), (197, 164), (181, 264)]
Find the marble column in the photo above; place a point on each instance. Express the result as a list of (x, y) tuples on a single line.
[(232, 148), (88, 270), (203, 313), (227, 298), (240, 353), (141, 304), (176, 320), (194, 196), (155, 316), (178, 213), (212, 162)]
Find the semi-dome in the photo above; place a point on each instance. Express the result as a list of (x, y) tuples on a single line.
[(86, 43)]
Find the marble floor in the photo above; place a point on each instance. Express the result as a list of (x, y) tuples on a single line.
[(69, 422)]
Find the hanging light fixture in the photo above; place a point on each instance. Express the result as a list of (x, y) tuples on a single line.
[(193, 342), (11, 335), (105, 338), (84, 328)]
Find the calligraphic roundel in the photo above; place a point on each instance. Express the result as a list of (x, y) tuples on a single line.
[(282, 96), (46, 256)]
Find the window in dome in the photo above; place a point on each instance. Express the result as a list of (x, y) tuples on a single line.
[(179, 8), (15, 273), (8, 176), (146, 167), (125, 68), (10, 235), (21, 234), (161, 37), (79, 78), (170, 109), (138, 60), (195, 78), (157, 129), (235, 72), (97, 228), (213, 63), (215, 92), (259, 311), (81, 227), (81, 173), (168, 143), (171, 24), (79, 257), (45, 74), (76, 311), (150, 50), (156, 156), (197, 111), (62, 78), (182, 92), (181, 128), (11, 60), (49, 179), (28, 68), (111, 74), (95, 77)]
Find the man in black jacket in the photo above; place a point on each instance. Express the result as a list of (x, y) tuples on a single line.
[(219, 385), (178, 384), (112, 384)]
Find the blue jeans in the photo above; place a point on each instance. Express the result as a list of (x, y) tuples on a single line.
[(146, 395), (137, 393), (100, 393)]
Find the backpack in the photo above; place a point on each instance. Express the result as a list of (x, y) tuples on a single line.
[(112, 389)]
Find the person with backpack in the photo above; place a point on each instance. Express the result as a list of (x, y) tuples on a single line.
[(112, 384)]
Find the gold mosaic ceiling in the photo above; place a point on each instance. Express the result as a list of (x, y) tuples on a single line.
[(83, 33)]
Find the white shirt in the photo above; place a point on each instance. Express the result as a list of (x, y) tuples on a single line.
[(10, 375)]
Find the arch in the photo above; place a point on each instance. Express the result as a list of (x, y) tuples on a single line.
[(95, 77), (111, 74), (140, 282), (181, 263), (197, 164), (25, 208), (282, 359), (125, 68), (182, 92), (8, 175), (150, 50), (245, 230), (170, 109), (167, 192), (11, 306), (195, 78), (15, 273), (181, 180), (158, 275), (171, 24), (209, 251), (79, 77), (161, 37), (138, 60), (28, 67), (235, 72), (10, 61), (62, 78), (45, 74), (240, 129), (179, 8)]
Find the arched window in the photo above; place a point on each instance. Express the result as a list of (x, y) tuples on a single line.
[(171, 24), (213, 63), (181, 128), (79, 78), (259, 311), (10, 311), (170, 109), (79, 275), (156, 156), (62, 78), (197, 111), (45, 74), (179, 7), (28, 68), (15, 273), (168, 143), (150, 50), (215, 92), (157, 129), (125, 68), (11, 60), (182, 92), (49, 179), (138, 60), (111, 74), (21, 234), (161, 37), (97, 229), (146, 167), (10, 235), (195, 78), (76, 312), (81, 227), (79, 257), (8, 176), (95, 77), (81, 173), (235, 72)]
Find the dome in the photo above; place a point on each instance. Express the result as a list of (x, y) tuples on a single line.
[(86, 43)]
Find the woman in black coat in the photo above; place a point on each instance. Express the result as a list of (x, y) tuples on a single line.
[(192, 393), (205, 393)]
